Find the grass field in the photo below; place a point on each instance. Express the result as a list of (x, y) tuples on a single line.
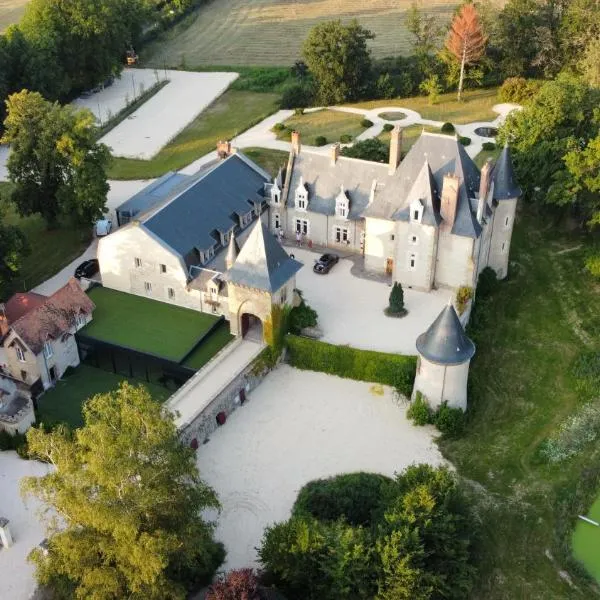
[(409, 135), (329, 123), (231, 114), (11, 12), (215, 342), (482, 157), (586, 541), (145, 325), (64, 401), (271, 32), (521, 389), (51, 250), (269, 160)]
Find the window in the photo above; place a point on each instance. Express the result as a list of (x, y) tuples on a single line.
[(503, 247), (276, 221), (412, 261), (392, 237), (284, 295), (302, 203), (413, 239), (507, 223), (80, 320), (275, 195), (24, 375), (301, 196), (148, 287), (341, 235), (20, 353), (415, 215), (138, 262), (302, 226), (163, 268), (170, 293), (48, 349)]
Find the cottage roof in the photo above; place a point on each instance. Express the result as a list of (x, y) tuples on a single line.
[(445, 342), (262, 263), (211, 202), (505, 181), (424, 190), (54, 317), (21, 303)]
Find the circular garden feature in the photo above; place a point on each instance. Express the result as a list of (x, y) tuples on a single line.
[(490, 132), (392, 116)]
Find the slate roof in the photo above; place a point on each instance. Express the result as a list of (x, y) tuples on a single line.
[(21, 303), (445, 342), (505, 181), (212, 201), (445, 155), (153, 194), (54, 317), (424, 190), (262, 263)]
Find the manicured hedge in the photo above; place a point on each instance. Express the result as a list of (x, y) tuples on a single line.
[(364, 365)]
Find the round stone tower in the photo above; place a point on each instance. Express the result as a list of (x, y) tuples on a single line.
[(445, 352)]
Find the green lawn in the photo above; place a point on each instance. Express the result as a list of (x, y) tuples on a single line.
[(586, 541), (482, 157), (146, 325), (229, 115), (63, 402), (269, 160), (475, 106), (392, 116), (51, 250), (520, 390), (329, 123), (409, 135), (215, 342)]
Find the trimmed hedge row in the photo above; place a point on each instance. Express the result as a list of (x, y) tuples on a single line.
[(364, 365)]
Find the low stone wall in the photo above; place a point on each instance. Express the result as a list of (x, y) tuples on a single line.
[(227, 400)]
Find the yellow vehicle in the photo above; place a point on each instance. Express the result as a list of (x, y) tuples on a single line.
[(132, 57)]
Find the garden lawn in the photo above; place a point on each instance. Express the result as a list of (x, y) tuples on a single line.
[(229, 115), (475, 106), (410, 135), (586, 541), (270, 160), (145, 325), (215, 342), (11, 12), (63, 403), (482, 157), (329, 123), (520, 390), (51, 250)]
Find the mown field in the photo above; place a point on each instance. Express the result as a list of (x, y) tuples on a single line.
[(271, 32), (11, 12)]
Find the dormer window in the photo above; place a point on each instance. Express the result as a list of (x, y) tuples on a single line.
[(416, 211), (301, 195), (342, 204)]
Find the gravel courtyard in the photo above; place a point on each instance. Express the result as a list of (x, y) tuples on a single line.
[(298, 426), (350, 308)]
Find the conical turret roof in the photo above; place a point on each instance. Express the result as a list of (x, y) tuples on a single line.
[(505, 181), (262, 263), (445, 342)]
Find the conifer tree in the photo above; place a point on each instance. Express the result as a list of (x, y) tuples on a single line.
[(396, 299)]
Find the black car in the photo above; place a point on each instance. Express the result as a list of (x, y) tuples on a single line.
[(324, 264), (87, 268)]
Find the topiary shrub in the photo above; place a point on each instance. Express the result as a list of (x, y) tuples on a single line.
[(279, 127), (489, 146), (366, 123), (388, 127), (320, 140), (448, 128), (419, 411), (396, 302), (345, 138), (464, 140), (463, 295), (302, 316), (356, 497), (450, 421)]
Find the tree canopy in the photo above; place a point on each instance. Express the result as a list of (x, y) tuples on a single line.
[(13, 248), (128, 499), (338, 57), (55, 163)]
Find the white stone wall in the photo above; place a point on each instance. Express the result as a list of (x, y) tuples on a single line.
[(380, 235), (16, 367), (455, 266), (117, 253), (502, 228), (439, 383), (415, 243)]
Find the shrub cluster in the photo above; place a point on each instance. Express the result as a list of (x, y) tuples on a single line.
[(366, 123), (463, 295), (448, 128), (388, 127), (17, 442), (364, 536), (489, 146), (320, 140), (302, 316), (279, 127), (371, 149), (351, 363), (464, 140), (450, 421), (519, 89), (345, 138)]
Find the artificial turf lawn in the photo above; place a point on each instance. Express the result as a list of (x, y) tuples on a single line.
[(217, 340), (145, 325), (64, 401), (586, 541)]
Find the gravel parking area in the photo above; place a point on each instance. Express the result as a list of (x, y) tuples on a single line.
[(298, 426)]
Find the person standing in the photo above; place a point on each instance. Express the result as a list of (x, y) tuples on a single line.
[(298, 238)]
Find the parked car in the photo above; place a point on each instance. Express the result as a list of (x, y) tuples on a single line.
[(87, 268), (103, 227), (323, 265)]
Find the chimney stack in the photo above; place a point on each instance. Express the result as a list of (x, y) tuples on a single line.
[(223, 149), (484, 188), (395, 148), (232, 252), (296, 142), (335, 154), (449, 200)]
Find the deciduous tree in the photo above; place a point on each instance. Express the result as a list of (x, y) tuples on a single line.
[(427, 32), (128, 499), (13, 248), (466, 40)]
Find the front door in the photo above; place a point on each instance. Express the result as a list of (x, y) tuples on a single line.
[(52, 374), (389, 266)]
